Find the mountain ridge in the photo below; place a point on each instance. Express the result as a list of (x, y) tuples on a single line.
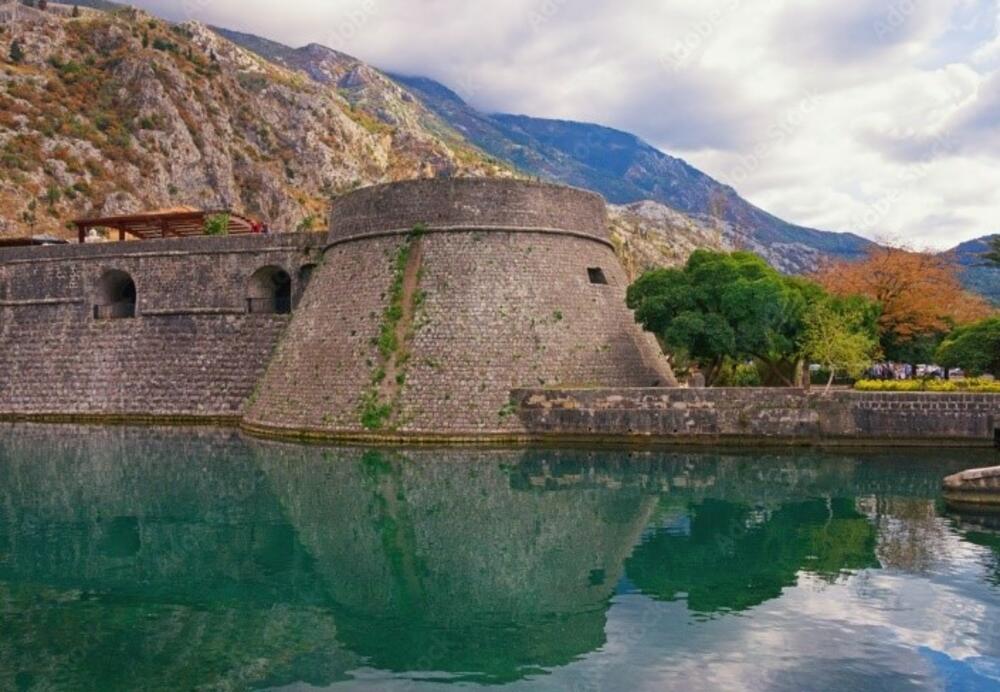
[(116, 112), (619, 165), (626, 170), (976, 274), (121, 111)]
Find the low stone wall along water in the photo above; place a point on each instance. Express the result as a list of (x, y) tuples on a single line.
[(793, 415)]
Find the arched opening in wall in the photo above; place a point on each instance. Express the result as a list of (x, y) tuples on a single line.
[(116, 296), (269, 292), (305, 276)]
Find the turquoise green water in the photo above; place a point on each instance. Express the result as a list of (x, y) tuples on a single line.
[(169, 559)]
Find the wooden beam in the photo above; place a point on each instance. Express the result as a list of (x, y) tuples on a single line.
[(169, 224)]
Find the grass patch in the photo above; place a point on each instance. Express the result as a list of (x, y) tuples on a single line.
[(374, 414)]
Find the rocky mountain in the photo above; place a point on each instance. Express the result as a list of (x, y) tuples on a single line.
[(627, 170), (618, 165), (119, 111), (976, 274), (648, 234)]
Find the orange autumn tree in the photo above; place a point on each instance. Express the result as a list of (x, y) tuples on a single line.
[(920, 295)]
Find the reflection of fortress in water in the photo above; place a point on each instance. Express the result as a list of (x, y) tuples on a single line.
[(318, 561)]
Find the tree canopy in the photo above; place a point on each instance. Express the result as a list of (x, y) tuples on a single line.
[(974, 348), (726, 305), (992, 256), (842, 336), (921, 297)]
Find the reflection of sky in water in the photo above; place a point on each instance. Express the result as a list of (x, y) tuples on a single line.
[(145, 559), (888, 629)]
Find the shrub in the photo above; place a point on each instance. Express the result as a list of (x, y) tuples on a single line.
[(16, 52), (217, 224), (977, 385), (307, 224), (746, 375), (164, 45)]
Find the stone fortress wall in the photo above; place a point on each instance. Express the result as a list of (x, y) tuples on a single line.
[(503, 283), (724, 415), (190, 351), (433, 310)]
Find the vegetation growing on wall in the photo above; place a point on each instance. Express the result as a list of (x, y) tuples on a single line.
[(378, 404)]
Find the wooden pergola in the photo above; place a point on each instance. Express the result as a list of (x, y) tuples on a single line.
[(166, 223)]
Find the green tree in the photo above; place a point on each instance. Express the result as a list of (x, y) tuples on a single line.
[(217, 224), (76, 11), (974, 348), (726, 306), (992, 256), (842, 335), (52, 196), (16, 52)]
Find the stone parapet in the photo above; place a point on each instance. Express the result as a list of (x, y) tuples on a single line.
[(468, 204), (791, 415)]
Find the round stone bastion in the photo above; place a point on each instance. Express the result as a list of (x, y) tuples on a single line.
[(435, 298)]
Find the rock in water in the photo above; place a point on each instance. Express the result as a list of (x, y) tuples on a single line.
[(975, 487)]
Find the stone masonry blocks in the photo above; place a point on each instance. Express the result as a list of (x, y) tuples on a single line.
[(505, 300)]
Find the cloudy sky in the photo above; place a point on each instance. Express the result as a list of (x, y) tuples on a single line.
[(875, 116)]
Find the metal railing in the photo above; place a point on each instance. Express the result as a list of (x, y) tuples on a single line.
[(274, 305), (115, 311)]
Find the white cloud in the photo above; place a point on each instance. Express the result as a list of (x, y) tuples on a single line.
[(908, 91)]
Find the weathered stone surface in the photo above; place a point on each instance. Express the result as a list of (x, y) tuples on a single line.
[(498, 309), (469, 203), (974, 487), (191, 350), (792, 414), (512, 285)]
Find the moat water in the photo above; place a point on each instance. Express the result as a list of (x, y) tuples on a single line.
[(146, 559)]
